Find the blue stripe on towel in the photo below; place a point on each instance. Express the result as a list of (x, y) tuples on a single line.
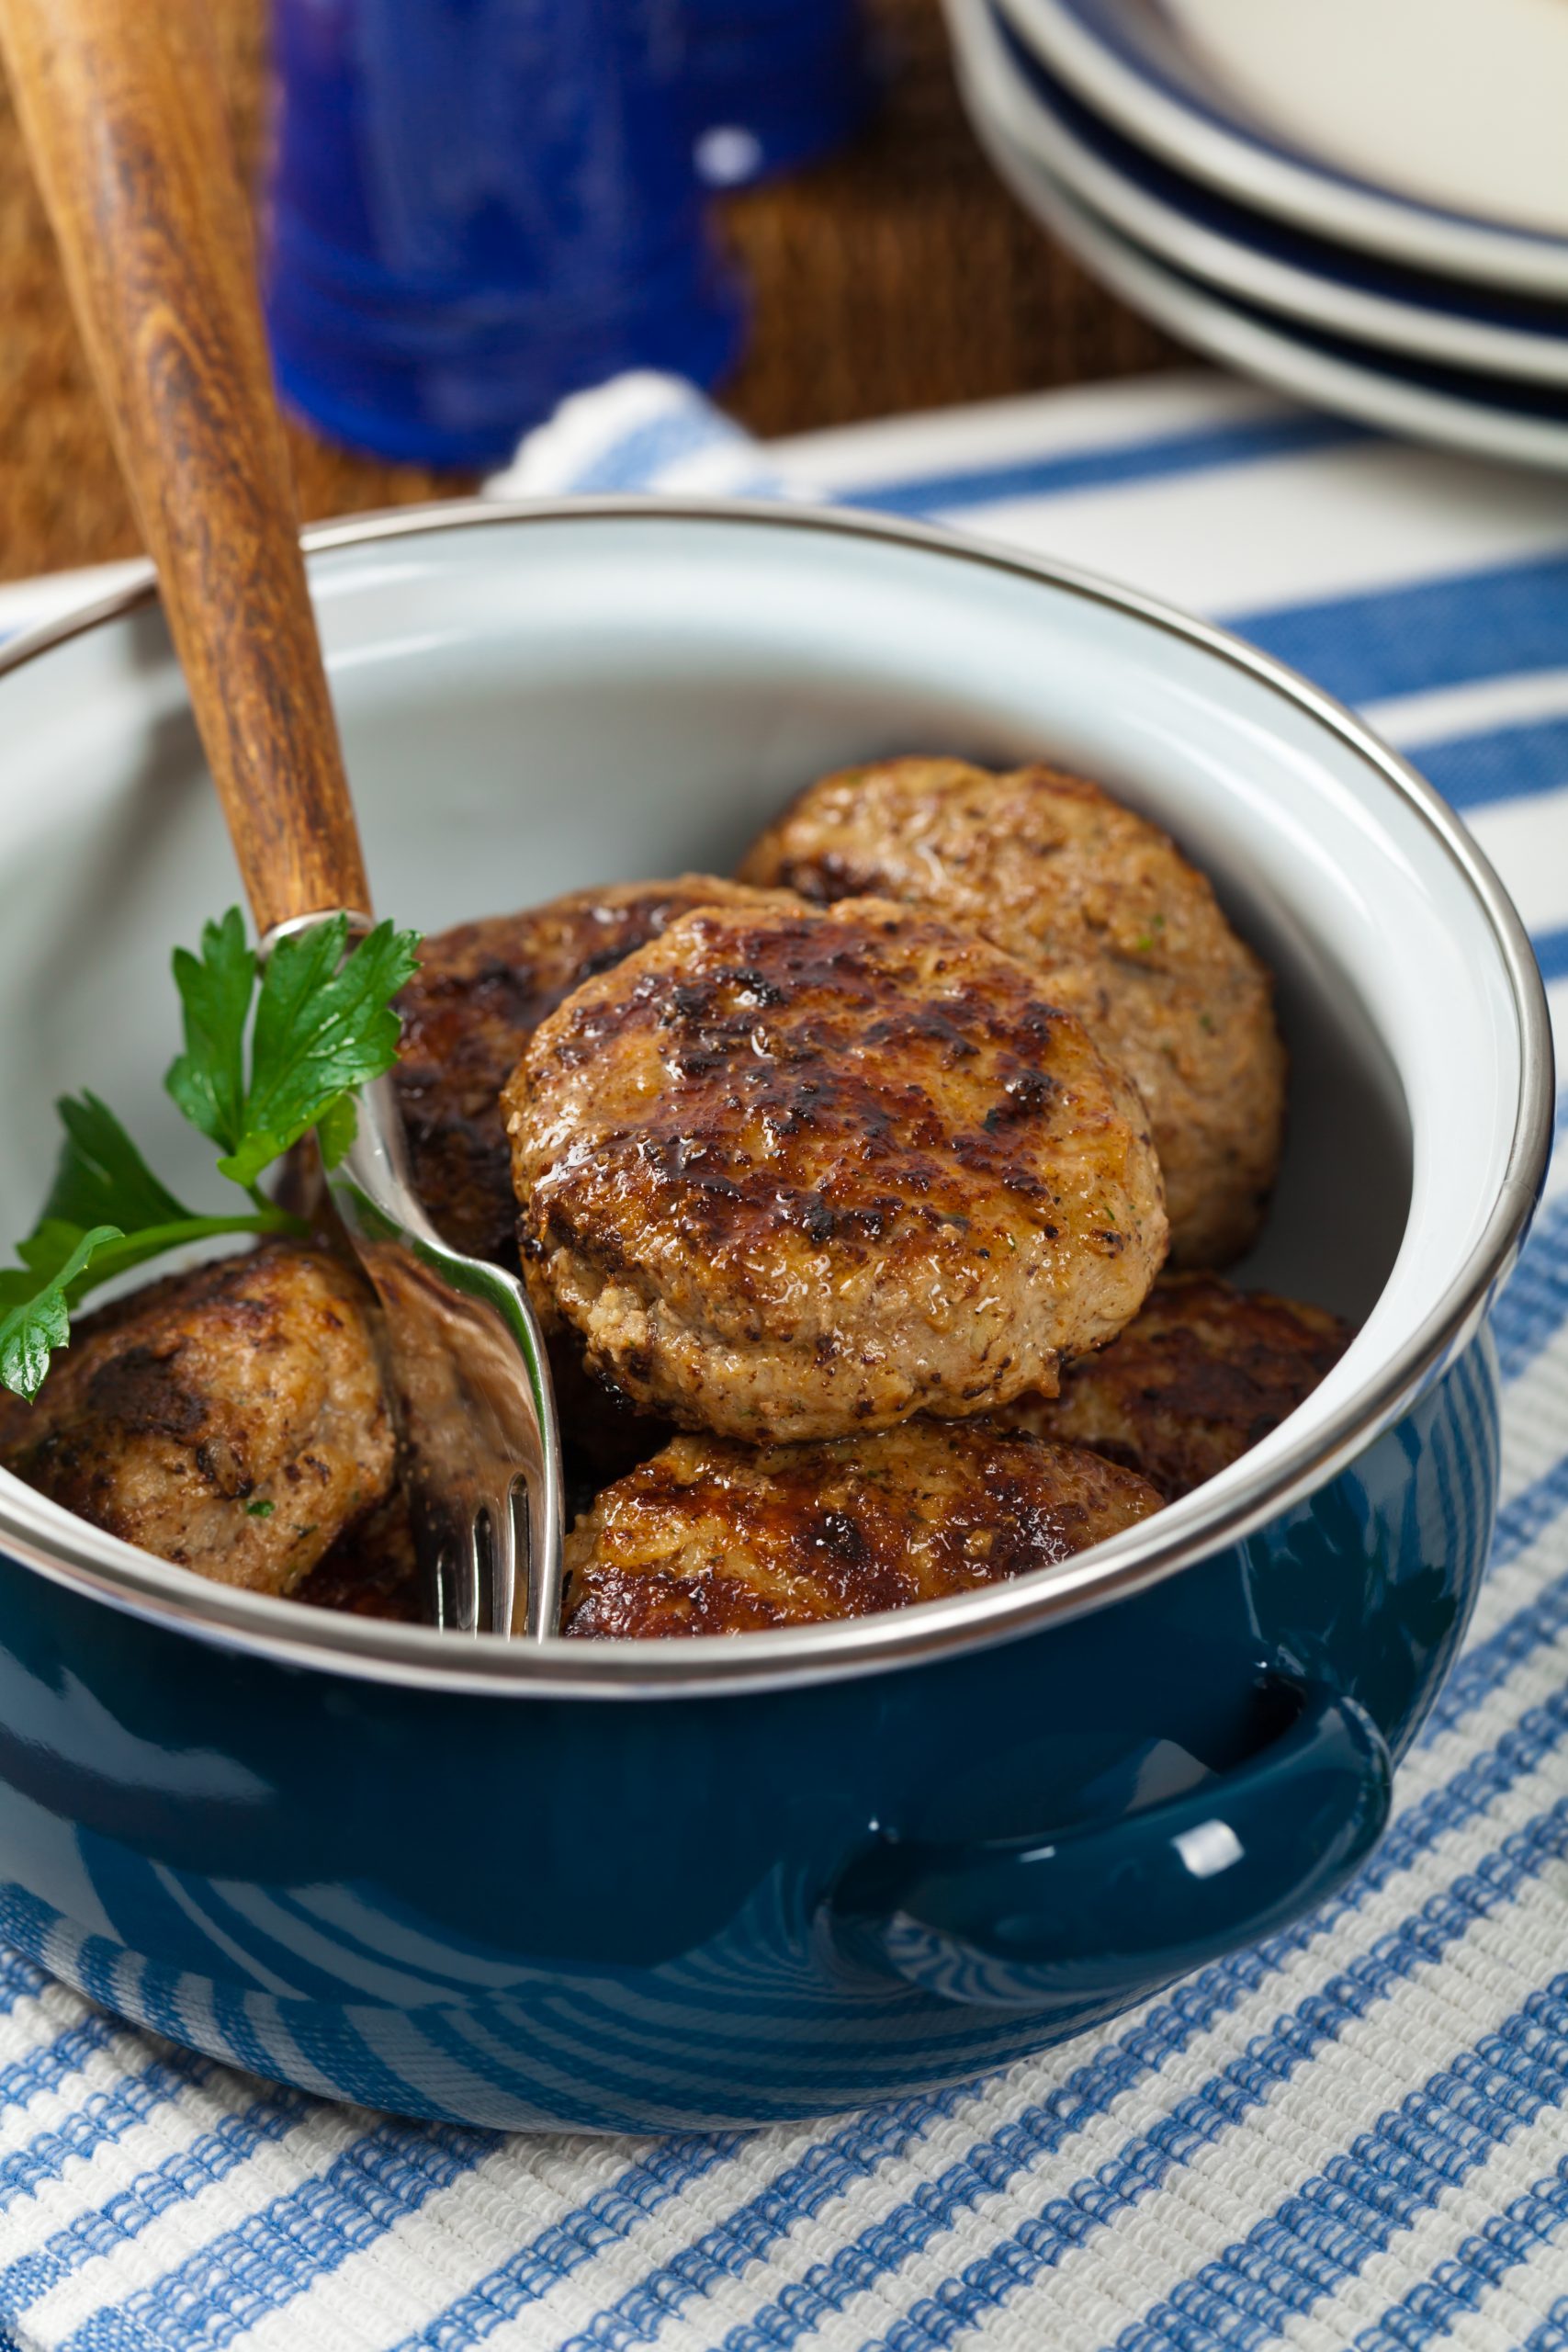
[(104, 2117), (499, 2298), (1437, 2304), (1200, 449), (1532, 1309), (1324, 2232), (1551, 953), (1505, 764), (1426, 633), (212, 2157), (1551, 2335), (48, 2067), (271, 2259), (271, 2256), (1530, 1512), (655, 444)]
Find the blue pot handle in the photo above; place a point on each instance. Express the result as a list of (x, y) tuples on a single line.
[(1107, 1913)]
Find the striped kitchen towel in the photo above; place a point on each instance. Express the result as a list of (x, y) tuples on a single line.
[(1357, 2134)]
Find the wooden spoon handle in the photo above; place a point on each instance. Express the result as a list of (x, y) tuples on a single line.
[(123, 112)]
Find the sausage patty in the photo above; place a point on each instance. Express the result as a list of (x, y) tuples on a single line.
[(230, 1420), (713, 1537), (794, 1171), (1102, 903), (1195, 1379), (480, 991)]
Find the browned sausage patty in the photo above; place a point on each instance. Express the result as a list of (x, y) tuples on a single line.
[(1128, 933), (796, 1173), (480, 991), (713, 1537), (230, 1420), (1195, 1379)]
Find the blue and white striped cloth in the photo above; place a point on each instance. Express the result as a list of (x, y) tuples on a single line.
[(1356, 2134)]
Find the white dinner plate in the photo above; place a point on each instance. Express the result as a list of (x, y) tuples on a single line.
[(1522, 425), (1462, 104), (1129, 62), (1266, 263)]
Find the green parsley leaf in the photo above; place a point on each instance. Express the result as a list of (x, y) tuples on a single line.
[(37, 1320), (337, 1128), (101, 1177), (324, 1024), (61, 1262), (208, 1080), (263, 1509)]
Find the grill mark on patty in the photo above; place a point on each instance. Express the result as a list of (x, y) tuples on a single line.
[(770, 1126), (1121, 929), (801, 1086), (711, 1537), (481, 991)]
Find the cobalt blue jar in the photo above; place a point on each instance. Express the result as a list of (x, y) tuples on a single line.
[(476, 207), (771, 85)]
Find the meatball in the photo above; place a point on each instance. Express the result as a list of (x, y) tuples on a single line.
[(480, 991), (794, 1172), (1197, 1378), (1128, 937), (230, 1420), (713, 1537)]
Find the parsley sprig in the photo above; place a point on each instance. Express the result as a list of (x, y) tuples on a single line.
[(319, 1025)]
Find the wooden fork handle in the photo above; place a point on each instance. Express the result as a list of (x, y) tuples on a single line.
[(123, 113)]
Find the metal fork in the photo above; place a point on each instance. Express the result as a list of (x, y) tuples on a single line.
[(123, 109), (471, 1391)]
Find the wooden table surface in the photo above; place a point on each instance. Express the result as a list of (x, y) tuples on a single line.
[(898, 275)]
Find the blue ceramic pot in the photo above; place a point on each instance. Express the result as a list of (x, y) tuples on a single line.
[(741, 1908), (628, 1887)]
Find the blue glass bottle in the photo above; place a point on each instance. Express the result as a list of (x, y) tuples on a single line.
[(771, 83), (476, 207)]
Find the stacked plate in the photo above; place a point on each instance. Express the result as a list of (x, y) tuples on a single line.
[(1364, 202)]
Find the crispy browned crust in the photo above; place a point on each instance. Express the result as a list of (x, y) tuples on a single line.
[(1198, 1376), (480, 991), (230, 1420), (714, 1537), (796, 1171), (1129, 934)]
